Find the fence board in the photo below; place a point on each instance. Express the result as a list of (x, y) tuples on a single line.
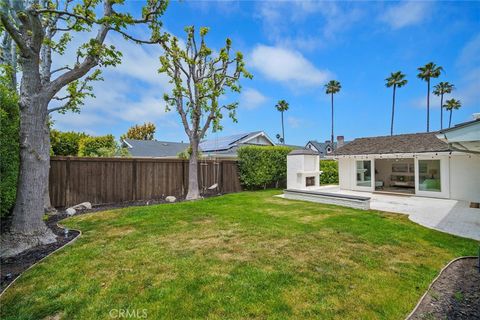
[(114, 180)]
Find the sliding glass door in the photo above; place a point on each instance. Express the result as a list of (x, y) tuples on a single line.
[(364, 173), (429, 175)]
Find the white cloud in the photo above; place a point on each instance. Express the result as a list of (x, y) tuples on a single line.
[(470, 54), (468, 64), (328, 20), (406, 14), (287, 66), (251, 99), (294, 122)]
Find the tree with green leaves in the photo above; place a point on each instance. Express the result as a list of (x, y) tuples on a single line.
[(396, 80), (331, 88), (282, 106), (439, 90), (144, 131), (450, 105), (41, 31), (199, 78), (427, 72)]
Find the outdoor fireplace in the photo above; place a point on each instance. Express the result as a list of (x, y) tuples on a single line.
[(303, 169), (309, 181)]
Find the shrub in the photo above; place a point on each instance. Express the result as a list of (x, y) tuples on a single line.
[(65, 143), (260, 167), (9, 148), (102, 146), (330, 172)]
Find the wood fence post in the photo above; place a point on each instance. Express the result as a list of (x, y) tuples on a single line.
[(67, 183), (220, 179), (134, 180)]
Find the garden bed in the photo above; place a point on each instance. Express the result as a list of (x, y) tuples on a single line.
[(12, 267), (454, 295)]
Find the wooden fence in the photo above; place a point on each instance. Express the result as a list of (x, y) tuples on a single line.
[(113, 180)]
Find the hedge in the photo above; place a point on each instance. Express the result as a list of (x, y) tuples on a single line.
[(262, 167), (65, 143), (330, 172), (102, 146), (9, 148)]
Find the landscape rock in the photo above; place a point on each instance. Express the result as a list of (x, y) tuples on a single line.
[(170, 199), (70, 211), (83, 206)]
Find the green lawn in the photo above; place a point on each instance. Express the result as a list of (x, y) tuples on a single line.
[(246, 255)]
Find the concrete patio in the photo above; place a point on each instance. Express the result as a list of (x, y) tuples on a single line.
[(451, 216)]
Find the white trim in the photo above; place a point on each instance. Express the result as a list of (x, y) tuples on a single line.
[(261, 133), (128, 144), (395, 155)]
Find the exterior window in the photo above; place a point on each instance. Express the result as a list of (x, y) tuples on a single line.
[(364, 173), (429, 175)]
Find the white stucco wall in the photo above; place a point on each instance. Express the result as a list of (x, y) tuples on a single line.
[(345, 173), (299, 167), (465, 177)]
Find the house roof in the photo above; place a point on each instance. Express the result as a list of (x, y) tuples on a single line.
[(461, 125), (321, 146), (402, 143), (225, 146), (154, 149), (229, 142)]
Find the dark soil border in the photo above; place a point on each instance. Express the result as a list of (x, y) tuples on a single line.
[(453, 294), (12, 268)]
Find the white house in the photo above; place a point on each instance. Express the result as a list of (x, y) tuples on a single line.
[(420, 164)]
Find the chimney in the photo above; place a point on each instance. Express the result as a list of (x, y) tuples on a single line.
[(340, 141)]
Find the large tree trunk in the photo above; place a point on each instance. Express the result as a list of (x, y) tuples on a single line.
[(193, 192), (28, 229)]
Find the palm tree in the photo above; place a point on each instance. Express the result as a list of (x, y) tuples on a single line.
[(428, 71), (439, 90), (451, 105), (332, 87), (397, 80), (282, 106)]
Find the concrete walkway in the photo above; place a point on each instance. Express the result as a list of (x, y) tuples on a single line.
[(451, 216)]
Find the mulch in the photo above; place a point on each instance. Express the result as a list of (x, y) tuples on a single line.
[(11, 268), (455, 294)]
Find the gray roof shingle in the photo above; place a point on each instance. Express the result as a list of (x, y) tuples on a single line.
[(402, 143), (154, 149)]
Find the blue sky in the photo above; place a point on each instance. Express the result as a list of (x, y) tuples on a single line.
[(292, 49)]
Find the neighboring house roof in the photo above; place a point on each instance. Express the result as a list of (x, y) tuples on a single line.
[(222, 144), (153, 148), (321, 147), (402, 143)]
